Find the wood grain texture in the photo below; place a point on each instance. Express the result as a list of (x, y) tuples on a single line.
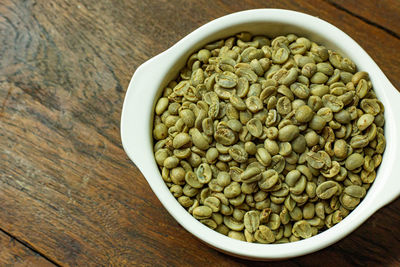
[(67, 189), (13, 253), (383, 14)]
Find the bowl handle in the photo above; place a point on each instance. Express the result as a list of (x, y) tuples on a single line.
[(134, 116), (391, 189)]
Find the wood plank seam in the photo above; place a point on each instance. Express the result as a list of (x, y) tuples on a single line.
[(332, 3), (29, 247)]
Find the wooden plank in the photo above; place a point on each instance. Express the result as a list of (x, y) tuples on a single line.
[(383, 13), (13, 253), (66, 185)]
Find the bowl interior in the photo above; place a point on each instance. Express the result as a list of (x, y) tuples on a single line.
[(171, 61)]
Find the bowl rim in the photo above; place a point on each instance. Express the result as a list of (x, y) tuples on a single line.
[(138, 107)]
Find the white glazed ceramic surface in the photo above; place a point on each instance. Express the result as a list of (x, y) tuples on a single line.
[(151, 77)]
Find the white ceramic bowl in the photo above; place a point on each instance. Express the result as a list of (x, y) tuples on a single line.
[(151, 77)]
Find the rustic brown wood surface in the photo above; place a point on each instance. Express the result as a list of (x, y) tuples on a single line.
[(68, 193), (13, 253)]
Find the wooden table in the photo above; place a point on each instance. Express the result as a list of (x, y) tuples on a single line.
[(69, 195)]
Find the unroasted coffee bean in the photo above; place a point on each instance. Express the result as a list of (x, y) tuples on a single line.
[(302, 229), (250, 175), (327, 189), (232, 190), (264, 235), (288, 133), (304, 114), (202, 212), (354, 161), (268, 179), (233, 224), (355, 191), (252, 220), (268, 141), (365, 121)]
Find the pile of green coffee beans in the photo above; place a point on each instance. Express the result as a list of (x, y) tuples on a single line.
[(269, 141)]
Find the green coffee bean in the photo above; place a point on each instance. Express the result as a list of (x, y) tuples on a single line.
[(268, 179), (370, 106), (314, 102), (233, 224), (188, 117), (232, 190), (300, 90), (318, 160), (185, 201), (161, 155), (340, 148), (317, 123), (226, 80), (190, 191), (261, 205), (198, 139), (271, 146), (203, 55), (264, 235), (202, 212), (285, 149), (250, 148), (171, 162), (225, 136), (250, 175), (325, 68), (238, 153), (192, 180), (312, 138), (319, 78), (354, 161), (263, 156), (299, 144), (161, 106), (284, 106), (304, 114), (332, 171), (255, 127), (342, 116), (209, 222), (368, 177), (160, 131), (222, 229), (252, 221), (327, 189), (355, 191), (223, 179), (296, 214), (292, 177), (302, 229), (204, 173), (348, 201), (237, 201), (278, 163), (274, 221), (180, 140), (176, 190), (217, 217), (308, 211), (235, 125), (299, 186), (309, 69), (268, 142), (280, 190), (288, 133), (213, 202), (365, 121)]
